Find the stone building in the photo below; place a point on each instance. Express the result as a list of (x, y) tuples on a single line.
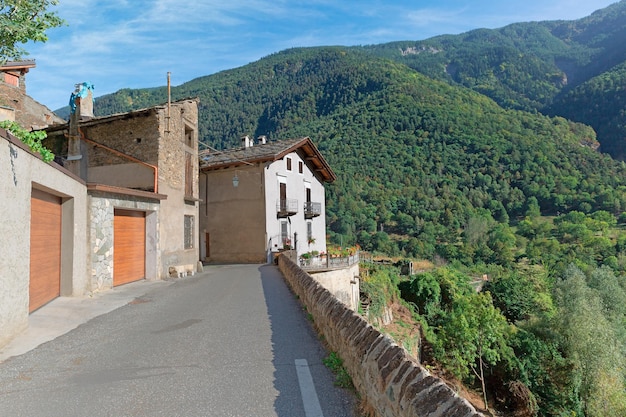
[(262, 198), (141, 171), (15, 104), (118, 204)]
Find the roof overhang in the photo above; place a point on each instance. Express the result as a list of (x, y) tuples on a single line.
[(22, 66), (303, 146)]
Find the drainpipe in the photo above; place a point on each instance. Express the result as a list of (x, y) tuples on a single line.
[(169, 102)]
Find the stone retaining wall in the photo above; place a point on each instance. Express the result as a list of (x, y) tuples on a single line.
[(383, 373)]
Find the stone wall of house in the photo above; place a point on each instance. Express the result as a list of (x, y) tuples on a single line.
[(234, 220), (390, 380), (179, 146), (101, 214), (27, 112), (136, 136)]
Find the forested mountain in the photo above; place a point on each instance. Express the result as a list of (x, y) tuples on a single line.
[(535, 66), (416, 158), (599, 102), (443, 152)]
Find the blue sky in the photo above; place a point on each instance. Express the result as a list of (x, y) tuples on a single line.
[(118, 44)]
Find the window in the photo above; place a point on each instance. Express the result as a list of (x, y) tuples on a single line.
[(309, 231), (284, 234), (189, 227), (189, 133), (189, 175), (283, 197), (300, 167), (288, 164)]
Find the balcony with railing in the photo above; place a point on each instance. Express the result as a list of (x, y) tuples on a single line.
[(325, 262), (312, 209), (287, 207)]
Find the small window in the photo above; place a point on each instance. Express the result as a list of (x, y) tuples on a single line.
[(309, 231), (189, 133), (189, 175), (189, 227), (300, 167), (284, 235), (288, 164)]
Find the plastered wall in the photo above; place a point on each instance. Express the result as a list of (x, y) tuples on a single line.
[(20, 172), (342, 283)]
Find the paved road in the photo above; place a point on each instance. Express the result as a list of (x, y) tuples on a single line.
[(232, 341)]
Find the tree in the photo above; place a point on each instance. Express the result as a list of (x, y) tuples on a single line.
[(514, 294), (474, 334), (532, 207), (590, 343), (22, 21)]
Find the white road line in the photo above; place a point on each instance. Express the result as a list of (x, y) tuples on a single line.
[(311, 403)]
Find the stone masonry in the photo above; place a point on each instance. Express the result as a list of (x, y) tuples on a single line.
[(101, 212), (393, 383)]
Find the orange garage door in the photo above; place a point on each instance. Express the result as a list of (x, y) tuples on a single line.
[(129, 246), (45, 249)]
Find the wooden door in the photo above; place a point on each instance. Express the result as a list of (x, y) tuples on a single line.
[(45, 249), (129, 246), (283, 197)]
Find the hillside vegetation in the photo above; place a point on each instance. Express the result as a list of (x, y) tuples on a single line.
[(442, 153), (537, 66)]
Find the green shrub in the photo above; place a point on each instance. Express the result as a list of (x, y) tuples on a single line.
[(335, 364), (31, 139)]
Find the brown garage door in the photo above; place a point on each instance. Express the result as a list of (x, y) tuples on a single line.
[(45, 249), (129, 250)]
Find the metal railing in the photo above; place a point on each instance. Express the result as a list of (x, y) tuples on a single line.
[(287, 207), (312, 209), (326, 262)]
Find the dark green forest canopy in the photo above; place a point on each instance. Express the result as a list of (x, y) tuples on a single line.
[(533, 66), (415, 157)]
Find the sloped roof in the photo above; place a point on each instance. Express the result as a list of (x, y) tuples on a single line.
[(117, 116), (17, 65), (211, 160)]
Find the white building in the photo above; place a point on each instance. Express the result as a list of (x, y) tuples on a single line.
[(262, 198)]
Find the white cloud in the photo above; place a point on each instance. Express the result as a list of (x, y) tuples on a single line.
[(427, 17)]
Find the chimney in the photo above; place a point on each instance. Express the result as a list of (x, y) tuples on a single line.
[(247, 142), (82, 100), (262, 140)]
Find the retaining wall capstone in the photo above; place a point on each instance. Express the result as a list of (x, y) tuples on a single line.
[(383, 373)]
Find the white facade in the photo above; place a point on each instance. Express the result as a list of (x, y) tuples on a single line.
[(303, 234)]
